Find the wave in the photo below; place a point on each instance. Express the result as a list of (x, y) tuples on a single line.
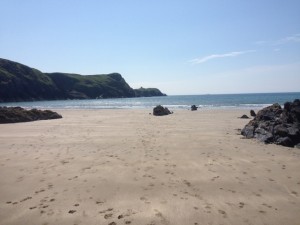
[(242, 101)]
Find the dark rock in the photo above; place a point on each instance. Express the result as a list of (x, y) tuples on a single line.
[(194, 107), (263, 135), (18, 114), (285, 141), (287, 106), (248, 131), (244, 117), (252, 113), (294, 134), (161, 111), (269, 113), (281, 131), (276, 125)]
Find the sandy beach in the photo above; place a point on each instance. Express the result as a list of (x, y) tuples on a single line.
[(129, 167)]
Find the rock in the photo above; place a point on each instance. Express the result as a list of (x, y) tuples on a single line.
[(18, 114), (263, 135), (285, 141), (269, 113), (276, 125), (281, 131), (194, 107), (287, 106), (252, 113), (161, 111), (294, 134), (248, 131), (244, 117)]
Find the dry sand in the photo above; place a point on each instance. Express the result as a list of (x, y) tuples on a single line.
[(129, 167)]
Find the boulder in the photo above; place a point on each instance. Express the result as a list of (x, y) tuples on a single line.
[(18, 114), (275, 124), (248, 131), (194, 108), (285, 141), (161, 111), (244, 117), (252, 113)]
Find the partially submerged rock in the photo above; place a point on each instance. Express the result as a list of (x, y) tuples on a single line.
[(18, 114), (276, 125), (161, 111), (194, 107)]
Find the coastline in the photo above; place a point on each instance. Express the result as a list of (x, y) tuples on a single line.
[(221, 101), (128, 167)]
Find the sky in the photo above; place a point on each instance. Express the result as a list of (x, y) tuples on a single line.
[(179, 46)]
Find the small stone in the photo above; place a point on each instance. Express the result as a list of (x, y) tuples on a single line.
[(244, 117)]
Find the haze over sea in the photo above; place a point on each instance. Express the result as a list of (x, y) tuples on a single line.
[(220, 101)]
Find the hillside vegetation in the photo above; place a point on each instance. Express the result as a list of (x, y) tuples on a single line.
[(22, 83)]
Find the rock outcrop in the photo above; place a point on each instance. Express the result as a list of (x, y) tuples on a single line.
[(148, 92), (276, 125), (161, 111), (18, 114), (194, 107)]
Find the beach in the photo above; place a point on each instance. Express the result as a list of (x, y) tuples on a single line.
[(126, 166)]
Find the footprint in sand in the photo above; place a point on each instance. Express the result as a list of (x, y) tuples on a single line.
[(214, 178), (107, 216), (187, 183), (294, 192), (25, 199), (145, 200), (241, 205), (222, 212), (266, 205), (106, 210), (99, 202)]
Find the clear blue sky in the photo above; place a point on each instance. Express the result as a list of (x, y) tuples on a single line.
[(179, 46)]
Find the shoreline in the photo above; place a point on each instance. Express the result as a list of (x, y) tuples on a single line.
[(128, 167), (205, 102)]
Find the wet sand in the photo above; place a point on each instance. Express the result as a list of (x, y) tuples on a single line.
[(129, 167)]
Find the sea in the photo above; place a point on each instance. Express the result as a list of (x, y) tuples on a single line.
[(209, 101)]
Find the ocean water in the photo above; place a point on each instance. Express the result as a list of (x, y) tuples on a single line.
[(221, 101)]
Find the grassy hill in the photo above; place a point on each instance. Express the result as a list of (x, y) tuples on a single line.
[(22, 83), (148, 92), (19, 82)]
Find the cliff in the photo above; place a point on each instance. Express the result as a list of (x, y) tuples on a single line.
[(148, 92), (22, 83)]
